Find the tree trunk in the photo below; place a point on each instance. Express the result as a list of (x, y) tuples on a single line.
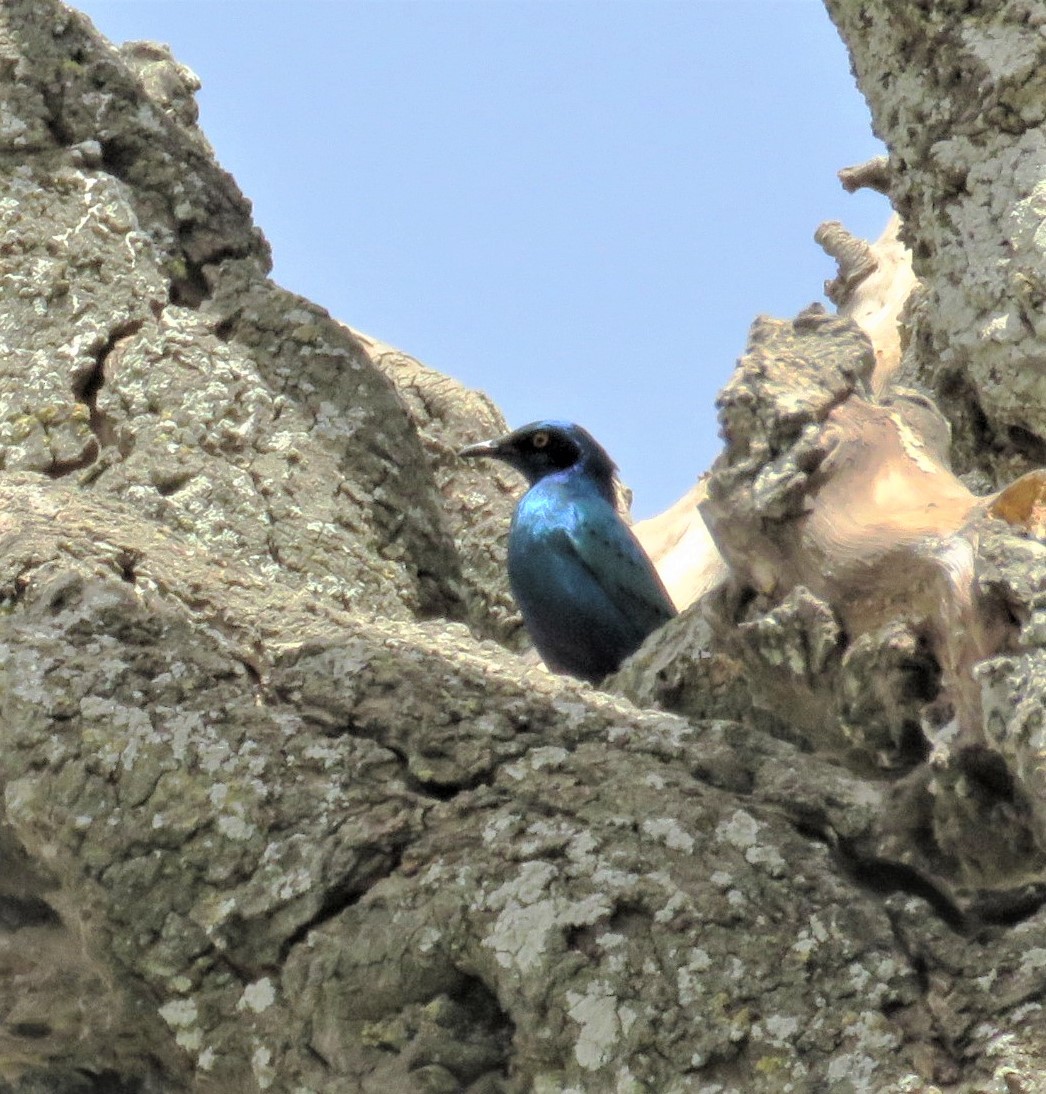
[(282, 808)]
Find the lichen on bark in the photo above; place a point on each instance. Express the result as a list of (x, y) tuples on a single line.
[(283, 807)]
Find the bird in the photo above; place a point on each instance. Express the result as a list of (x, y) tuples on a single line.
[(587, 591)]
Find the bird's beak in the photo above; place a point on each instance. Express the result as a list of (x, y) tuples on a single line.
[(484, 448)]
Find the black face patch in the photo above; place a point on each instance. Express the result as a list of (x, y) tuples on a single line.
[(554, 449)]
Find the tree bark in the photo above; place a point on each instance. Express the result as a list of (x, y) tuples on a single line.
[(283, 810)]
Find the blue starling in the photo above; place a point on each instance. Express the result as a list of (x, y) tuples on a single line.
[(588, 593)]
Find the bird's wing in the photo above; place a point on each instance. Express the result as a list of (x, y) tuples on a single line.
[(604, 544)]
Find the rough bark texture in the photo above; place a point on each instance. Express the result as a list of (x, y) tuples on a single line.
[(958, 93), (282, 809)]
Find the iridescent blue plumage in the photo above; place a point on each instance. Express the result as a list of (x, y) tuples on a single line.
[(588, 593)]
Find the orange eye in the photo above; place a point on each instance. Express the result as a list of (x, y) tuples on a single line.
[(540, 440)]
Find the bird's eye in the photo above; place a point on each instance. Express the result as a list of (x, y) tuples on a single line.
[(540, 440)]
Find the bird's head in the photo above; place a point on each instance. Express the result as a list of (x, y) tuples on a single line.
[(546, 447)]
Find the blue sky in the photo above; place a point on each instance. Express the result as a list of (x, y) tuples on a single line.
[(577, 206)]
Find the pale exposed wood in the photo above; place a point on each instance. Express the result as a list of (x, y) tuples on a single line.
[(889, 533), (873, 284), (679, 544), (1023, 503)]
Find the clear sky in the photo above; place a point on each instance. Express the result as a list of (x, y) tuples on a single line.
[(578, 206)]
